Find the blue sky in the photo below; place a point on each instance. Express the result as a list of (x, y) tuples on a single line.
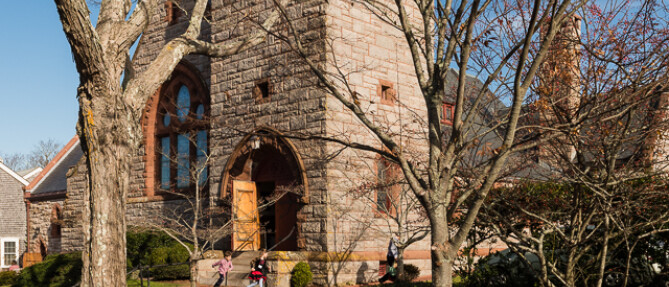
[(37, 75)]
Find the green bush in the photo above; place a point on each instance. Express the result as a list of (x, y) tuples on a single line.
[(55, 271), (301, 275), (174, 272), (157, 248), (411, 272), (8, 278)]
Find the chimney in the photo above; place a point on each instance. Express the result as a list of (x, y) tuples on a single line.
[(559, 83), (559, 90)]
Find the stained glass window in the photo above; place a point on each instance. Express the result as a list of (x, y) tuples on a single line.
[(183, 161), (183, 103), (201, 156), (166, 120), (165, 163), (181, 133), (199, 112)]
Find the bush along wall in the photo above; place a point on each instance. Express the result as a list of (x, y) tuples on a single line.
[(8, 278), (147, 248), (150, 248), (55, 271)]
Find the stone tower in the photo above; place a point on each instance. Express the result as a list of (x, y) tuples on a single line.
[(559, 89)]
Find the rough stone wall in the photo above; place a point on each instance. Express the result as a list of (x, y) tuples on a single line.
[(73, 209), (41, 226), (294, 107), (12, 210), (374, 56), (297, 106)]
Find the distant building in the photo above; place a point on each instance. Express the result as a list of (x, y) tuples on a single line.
[(46, 198), (13, 214)]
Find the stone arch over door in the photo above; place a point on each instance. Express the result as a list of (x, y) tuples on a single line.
[(270, 164)]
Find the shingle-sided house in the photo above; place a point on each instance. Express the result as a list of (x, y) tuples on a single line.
[(12, 214)]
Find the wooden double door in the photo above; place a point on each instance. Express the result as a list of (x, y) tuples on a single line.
[(275, 226), (246, 225)]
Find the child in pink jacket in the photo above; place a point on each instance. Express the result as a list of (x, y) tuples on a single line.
[(224, 266)]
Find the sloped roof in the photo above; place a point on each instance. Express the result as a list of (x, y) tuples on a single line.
[(13, 174), (30, 174), (54, 176)]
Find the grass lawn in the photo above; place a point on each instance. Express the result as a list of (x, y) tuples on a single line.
[(135, 283)]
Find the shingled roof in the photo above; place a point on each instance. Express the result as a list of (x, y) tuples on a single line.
[(53, 178)]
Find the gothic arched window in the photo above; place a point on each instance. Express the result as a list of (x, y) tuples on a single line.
[(181, 134)]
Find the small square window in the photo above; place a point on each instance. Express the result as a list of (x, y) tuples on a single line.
[(171, 12), (447, 114), (262, 91), (386, 92)]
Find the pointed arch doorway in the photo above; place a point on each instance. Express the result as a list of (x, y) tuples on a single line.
[(266, 181)]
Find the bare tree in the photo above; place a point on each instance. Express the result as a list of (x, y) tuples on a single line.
[(40, 156), (111, 97), (503, 42), (599, 193), (15, 161), (43, 152), (398, 214)]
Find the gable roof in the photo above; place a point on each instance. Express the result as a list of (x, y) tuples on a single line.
[(54, 176), (30, 174), (13, 174)]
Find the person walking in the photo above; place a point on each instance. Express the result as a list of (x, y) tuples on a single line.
[(224, 266), (259, 270), (391, 273), (391, 257), (392, 252)]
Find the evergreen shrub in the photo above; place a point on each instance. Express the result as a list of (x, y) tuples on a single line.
[(55, 271), (8, 278), (301, 275)]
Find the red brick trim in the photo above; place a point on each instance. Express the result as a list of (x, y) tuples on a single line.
[(184, 73), (144, 199), (385, 91), (444, 114), (353, 256), (46, 196), (172, 12)]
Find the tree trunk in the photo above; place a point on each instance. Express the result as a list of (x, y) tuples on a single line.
[(442, 260), (193, 273), (105, 240), (108, 150), (442, 272), (400, 264)]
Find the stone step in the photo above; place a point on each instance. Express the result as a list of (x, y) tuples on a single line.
[(241, 262)]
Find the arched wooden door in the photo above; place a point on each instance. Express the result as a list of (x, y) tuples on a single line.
[(265, 168)]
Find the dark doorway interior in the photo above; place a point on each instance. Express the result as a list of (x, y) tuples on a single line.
[(274, 176), (267, 216)]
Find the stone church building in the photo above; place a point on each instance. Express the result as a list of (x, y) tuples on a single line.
[(262, 105)]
